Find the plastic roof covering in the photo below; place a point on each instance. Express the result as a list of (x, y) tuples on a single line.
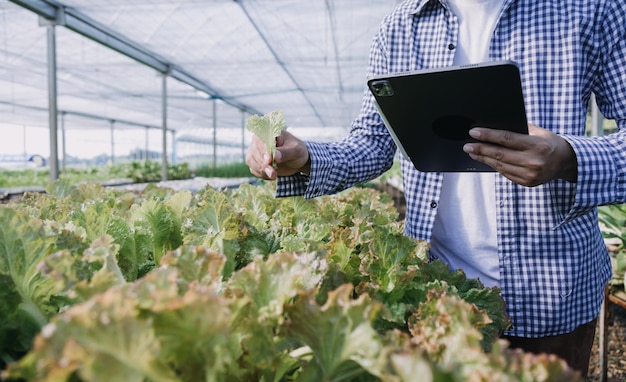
[(307, 58)]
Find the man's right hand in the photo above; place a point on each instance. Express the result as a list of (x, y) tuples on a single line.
[(291, 157)]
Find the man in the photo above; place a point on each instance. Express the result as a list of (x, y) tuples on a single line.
[(531, 228)]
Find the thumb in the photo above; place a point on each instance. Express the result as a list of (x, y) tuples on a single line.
[(278, 156), (280, 140)]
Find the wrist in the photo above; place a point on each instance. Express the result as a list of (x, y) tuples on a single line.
[(569, 168), (306, 168)]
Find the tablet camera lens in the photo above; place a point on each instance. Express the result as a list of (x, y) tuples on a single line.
[(382, 88)]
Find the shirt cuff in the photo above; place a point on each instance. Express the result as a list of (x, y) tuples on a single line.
[(294, 185)]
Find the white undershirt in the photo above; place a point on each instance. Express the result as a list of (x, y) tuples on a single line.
[(465, 233)]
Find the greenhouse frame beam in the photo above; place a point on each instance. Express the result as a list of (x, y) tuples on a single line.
[(53, 109), (333, 33), (86, 115), (164, 127), (82, 24), (214, 133)]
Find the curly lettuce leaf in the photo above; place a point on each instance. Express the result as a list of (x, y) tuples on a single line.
[(340, 335), (193, 326), (213, 223), (267, 128), (103, 339), (162, 223), (24, 244), (506, 364), (196, 264), (444, 324), (16, 334), (262, 289), (409, 365), (79, 276), (474, 292)]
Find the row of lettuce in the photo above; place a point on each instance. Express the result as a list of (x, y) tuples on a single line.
[(137, 171), (99, 284)]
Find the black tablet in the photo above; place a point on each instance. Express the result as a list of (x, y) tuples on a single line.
[(429, 112)]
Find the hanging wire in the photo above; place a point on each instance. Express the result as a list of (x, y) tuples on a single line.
[(332, 19)]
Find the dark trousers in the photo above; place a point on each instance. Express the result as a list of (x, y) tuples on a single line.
[(574, 347)]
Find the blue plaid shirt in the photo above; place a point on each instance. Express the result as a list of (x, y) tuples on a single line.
[(553, 261)]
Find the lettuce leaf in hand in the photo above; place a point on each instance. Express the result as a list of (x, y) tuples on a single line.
[(267, 128)]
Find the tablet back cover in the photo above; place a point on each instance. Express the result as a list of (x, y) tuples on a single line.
[(430, 112)]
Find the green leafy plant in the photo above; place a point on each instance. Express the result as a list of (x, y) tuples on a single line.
[(230, 170), (235, 284), (146, 171), (612, 220)]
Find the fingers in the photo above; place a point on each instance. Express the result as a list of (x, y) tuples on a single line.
[(501, 137), (519, 157), (529, 160), (526, 167), (259, 161), (291, 156), (519, 171)]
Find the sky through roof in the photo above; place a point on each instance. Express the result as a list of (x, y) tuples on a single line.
[(307, 58)]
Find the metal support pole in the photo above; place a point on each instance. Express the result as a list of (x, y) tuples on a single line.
[(243, 135), (63, 140), (214, 133), (603, 339), (112, 124), (53, 159), (24, 145), (174, 148), (164, 135), (147, 152)]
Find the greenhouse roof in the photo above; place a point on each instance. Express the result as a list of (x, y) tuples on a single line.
[(307, 58)]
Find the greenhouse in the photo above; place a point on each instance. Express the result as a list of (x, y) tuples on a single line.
[(137, 245), (180, 76)]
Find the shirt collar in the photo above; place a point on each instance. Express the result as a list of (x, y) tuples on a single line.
[(417, 6)]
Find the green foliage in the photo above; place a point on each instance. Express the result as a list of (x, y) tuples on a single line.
[(238, 285), (613, 226), (23, 247), (139, 172), (150, 171), (161, 220), (231, 170)]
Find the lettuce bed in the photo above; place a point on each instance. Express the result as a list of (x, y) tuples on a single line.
[(236, 285)]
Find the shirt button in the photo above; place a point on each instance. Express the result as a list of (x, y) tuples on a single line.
[(451, 47), (433, 204)]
